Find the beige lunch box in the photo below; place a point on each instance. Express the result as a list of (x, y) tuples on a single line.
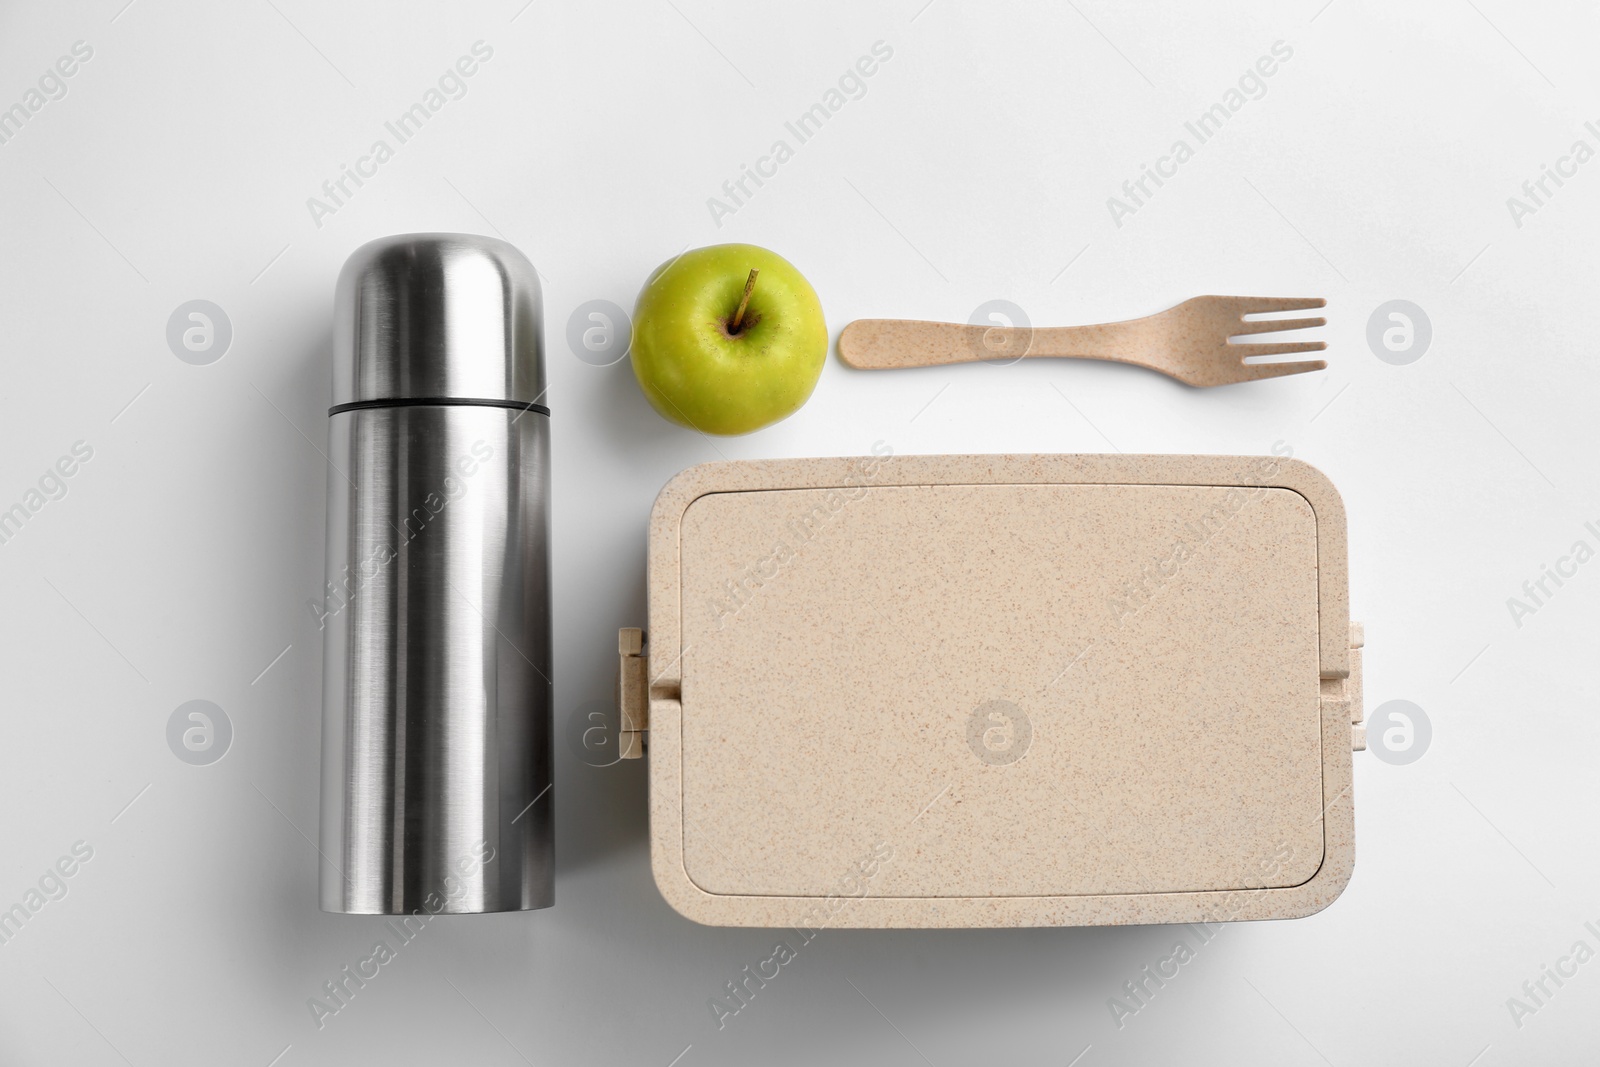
[(983, 691)]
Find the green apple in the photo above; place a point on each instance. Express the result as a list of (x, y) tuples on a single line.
[(703, 364)]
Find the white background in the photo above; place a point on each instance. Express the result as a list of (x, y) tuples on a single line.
[(977, 166)]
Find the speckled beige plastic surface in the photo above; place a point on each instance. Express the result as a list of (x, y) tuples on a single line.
[(1191, 342), (1000, 691)]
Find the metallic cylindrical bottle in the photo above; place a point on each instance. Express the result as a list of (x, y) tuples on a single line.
[(436, 768)]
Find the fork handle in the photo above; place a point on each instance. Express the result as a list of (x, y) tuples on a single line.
[(884, 344)]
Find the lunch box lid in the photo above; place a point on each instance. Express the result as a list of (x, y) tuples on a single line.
[(1029, 690)]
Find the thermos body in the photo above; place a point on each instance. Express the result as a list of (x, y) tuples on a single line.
[(437, 641)]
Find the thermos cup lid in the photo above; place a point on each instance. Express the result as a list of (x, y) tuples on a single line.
[(438, 316)]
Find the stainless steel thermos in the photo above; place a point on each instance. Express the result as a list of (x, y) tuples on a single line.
[(436, 767)]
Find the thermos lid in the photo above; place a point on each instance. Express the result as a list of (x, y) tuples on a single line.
[(438, 316)]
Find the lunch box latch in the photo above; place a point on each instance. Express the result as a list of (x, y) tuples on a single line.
[(633, 692), (1347, 691)]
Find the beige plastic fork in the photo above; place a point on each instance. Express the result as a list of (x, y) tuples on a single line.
[(1190, 342)]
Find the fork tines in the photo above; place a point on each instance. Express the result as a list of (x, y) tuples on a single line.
[(1249, 305)]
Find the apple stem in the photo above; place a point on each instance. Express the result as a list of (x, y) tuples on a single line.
[(738, 316)]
